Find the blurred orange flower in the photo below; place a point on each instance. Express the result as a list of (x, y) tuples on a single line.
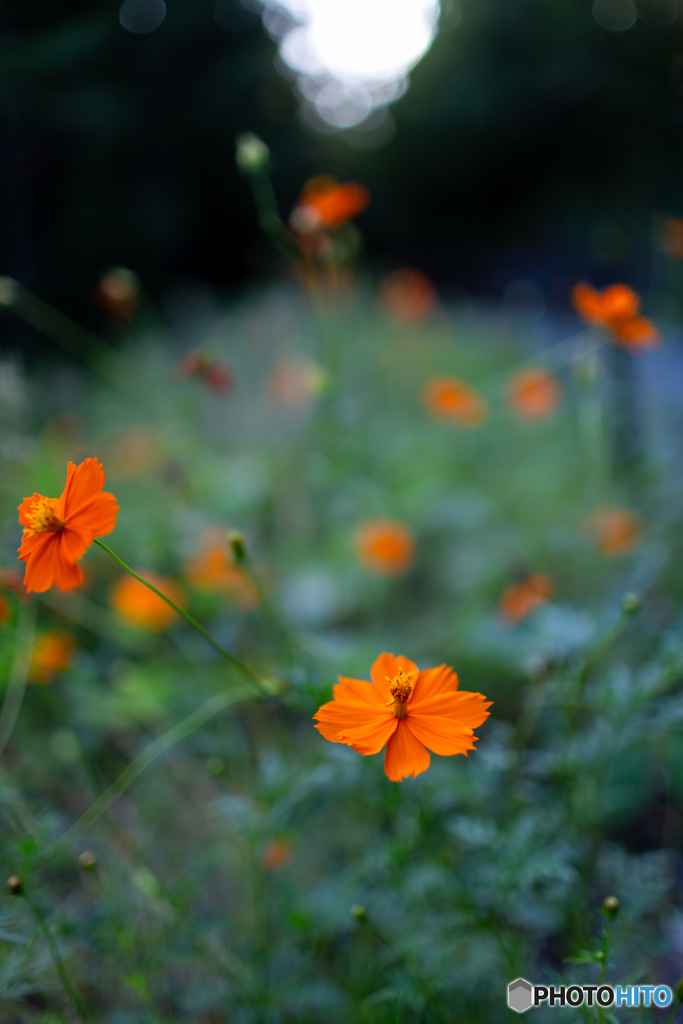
[(616, 308), (5, 610), (407, 295), (296, 381), (324, 204), (119, 292), (141, 606), (276, 854), (534, 393), (405, 709), (139, 449), (212, 372), (385, 547), (57, 531), (453, 399), (616, 531), (671, 238), (520, 599), (214, 572), (51, 655)]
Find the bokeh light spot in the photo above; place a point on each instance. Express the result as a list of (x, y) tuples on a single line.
[(615, 15), (350, 59), (141, 16)]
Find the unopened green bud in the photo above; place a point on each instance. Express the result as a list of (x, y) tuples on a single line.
[(87, 862), (252, 154), (359, 912), (630, 603), (237, 546), (610, 906), (14, 886)]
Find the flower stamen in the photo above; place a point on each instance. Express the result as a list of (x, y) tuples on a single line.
[(43, 518), (401, 687)]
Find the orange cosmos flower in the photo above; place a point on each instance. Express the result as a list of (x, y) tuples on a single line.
[(453, 399), (385, 547), (534, 393), (325, 205), (616, 308), (51, 655), (407, 295), (141, 606), (520, 599), (57, 531), (214, 572), (616, 531), (406, 709)]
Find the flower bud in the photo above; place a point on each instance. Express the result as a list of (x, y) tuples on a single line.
[(252, 155), (14, 886), (359, 912), (87, 862), (610, 906), (237, 546), (630, 603)]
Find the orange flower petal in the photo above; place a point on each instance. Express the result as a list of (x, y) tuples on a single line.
[(356, 703), (82, 482), (533, 393), (71, 544), (468, 710), (637, 332), (96, 515), (67, 574), (371, 737), (405, 754), (441, 735), (434, 681), (40, 567), (616, 302)]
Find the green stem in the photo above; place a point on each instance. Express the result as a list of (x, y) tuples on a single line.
[(56, 959), (159, 746), (24, 637), (70, 336), (604, 949), (231, 660)]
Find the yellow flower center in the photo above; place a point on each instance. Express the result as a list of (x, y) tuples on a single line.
[(401, 687), (43, 518)]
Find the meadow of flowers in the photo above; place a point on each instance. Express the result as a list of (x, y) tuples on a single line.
[(283, 562)]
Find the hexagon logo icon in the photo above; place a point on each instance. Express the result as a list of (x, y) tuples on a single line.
[(520, 995)]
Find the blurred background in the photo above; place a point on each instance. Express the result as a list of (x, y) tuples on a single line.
[(429, 441), (536, 140)]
